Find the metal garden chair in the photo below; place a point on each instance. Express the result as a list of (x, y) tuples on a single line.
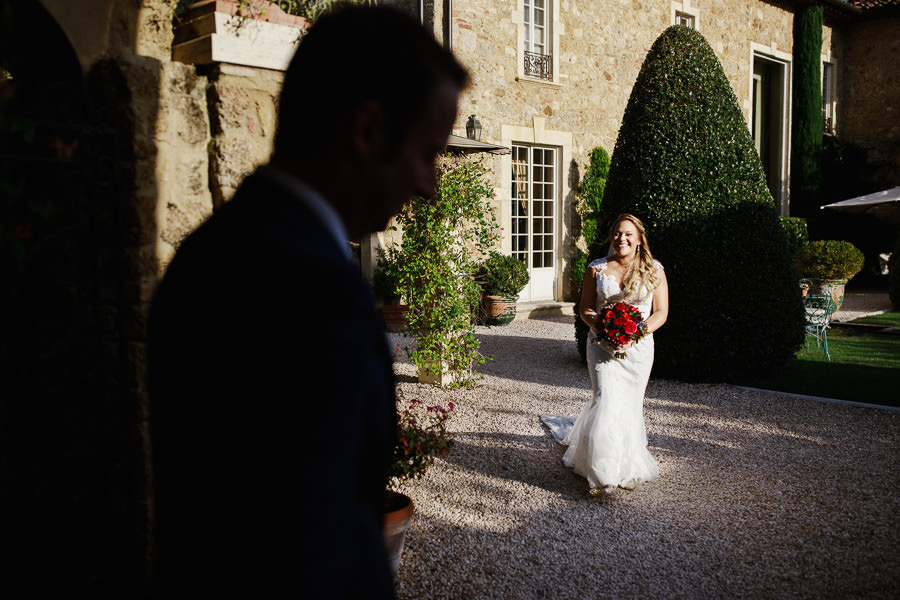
[(820, 306)]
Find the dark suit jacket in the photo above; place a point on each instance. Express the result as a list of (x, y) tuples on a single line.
[(272, 406)]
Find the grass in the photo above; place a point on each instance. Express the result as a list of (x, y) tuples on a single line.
[(864, 365)]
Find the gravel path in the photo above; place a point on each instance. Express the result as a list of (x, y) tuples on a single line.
[(759, 495)]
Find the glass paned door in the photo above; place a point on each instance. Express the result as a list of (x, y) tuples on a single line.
[(534, 217)]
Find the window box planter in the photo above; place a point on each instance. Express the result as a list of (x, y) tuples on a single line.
[(216, 31)]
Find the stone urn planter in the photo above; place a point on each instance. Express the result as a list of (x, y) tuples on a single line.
[(819, 287), (398, 513), (498, 310), (502, 279)]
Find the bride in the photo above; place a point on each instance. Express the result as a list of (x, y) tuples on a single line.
[(608, 442)]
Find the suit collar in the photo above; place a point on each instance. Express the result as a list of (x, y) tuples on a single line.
[(314, 201)]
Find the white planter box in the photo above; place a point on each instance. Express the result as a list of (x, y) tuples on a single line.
[(211, 32)]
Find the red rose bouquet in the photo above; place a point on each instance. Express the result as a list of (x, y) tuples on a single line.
[(618, 325)]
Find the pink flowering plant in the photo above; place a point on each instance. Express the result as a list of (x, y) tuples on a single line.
[(421, 437)]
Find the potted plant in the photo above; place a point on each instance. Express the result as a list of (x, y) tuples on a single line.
[(386, 287), (834, 262), (502, 278), (421, 437)]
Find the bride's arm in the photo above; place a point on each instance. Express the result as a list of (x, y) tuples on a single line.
[(587, 310), (660, 311)]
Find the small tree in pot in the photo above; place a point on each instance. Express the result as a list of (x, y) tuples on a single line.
[(835, 262), (502, 278)]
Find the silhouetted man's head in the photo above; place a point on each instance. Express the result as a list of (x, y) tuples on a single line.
[(370, 97)]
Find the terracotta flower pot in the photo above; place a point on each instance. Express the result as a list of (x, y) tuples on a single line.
[(837, 289), (394, 317), (499, 310), (398, 513)]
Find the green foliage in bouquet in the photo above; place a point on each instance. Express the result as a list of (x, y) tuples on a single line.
[(829, 259), (441, 239), (685, 164), (796, 234), (421, 437), (502, 275)]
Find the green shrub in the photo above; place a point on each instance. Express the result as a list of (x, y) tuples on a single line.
[(441, 239), (387, 275), (894, 276), (685, 164), (590, 196), (796, 233), (829, 259), (502, 275)]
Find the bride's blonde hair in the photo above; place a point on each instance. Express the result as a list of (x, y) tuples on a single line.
[(641, 277)]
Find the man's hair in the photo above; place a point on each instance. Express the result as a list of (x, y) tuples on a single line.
[(355, 54)]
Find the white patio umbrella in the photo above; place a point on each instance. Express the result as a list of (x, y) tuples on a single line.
[(884, 204)]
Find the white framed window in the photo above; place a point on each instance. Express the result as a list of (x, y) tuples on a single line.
[(828, 97), (685, 14), (684, 19), (538, 40)]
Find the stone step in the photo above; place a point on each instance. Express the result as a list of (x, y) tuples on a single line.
[(530, 310)]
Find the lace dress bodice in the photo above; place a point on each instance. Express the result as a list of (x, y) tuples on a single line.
[(609, 289)]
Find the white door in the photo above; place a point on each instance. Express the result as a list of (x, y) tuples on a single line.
[(534, 191)]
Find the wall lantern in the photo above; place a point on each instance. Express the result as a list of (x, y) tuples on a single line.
[(473, 128)]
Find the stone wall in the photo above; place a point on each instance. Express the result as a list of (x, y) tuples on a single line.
[(868, 106)]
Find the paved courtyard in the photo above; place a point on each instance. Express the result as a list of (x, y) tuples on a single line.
[(760, 495)]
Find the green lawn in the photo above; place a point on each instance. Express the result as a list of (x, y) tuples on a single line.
[(864, 365)]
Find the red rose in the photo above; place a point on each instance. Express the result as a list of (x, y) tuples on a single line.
[(631, 328)]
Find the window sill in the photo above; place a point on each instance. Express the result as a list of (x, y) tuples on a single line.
[(540, 82)]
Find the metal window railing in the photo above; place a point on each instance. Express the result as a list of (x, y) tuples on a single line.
[(539, 66)]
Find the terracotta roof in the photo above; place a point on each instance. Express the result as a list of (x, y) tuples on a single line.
[(869, 4)]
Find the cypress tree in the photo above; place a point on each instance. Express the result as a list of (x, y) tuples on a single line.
[(590, 195), (685, 164), (806, 140)]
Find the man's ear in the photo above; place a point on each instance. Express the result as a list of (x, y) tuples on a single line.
[(369, 130)]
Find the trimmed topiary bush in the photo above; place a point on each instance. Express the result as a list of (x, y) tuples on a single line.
[(829, 259), (796, 233), (685, 164), (894, 276)]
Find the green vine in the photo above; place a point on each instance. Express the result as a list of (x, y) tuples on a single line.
[(442, 238)]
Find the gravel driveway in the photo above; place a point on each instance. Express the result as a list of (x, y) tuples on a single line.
[(760, 495)]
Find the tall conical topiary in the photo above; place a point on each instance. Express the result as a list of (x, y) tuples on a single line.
[(806, 118), (685, 164)]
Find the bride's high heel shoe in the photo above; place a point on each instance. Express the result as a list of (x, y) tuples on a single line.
[(606, 490)]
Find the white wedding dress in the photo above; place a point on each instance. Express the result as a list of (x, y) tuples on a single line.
[(607, 444)]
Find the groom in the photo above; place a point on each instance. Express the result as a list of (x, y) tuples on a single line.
[(272, 390)]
